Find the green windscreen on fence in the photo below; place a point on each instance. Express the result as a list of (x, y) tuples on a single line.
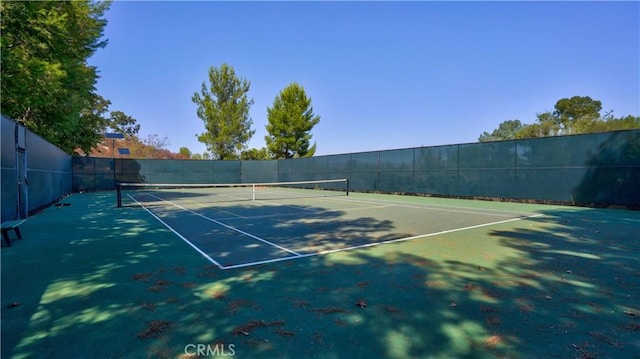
[(602, 168), (34, 172)]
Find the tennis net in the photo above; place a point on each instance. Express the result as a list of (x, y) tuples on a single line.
[(136, 194)]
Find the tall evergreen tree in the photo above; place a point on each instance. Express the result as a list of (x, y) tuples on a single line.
[(290, 122), (224, 108)]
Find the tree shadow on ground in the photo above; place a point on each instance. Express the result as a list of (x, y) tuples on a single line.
[(61, 285), (103, 282), (299, 229), (575, 290)]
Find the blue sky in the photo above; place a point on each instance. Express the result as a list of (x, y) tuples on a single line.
[(381, 75)]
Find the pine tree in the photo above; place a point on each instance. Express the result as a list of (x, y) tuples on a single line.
[(290, 122)]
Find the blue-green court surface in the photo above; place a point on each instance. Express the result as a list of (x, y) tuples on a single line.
[(361, 276)]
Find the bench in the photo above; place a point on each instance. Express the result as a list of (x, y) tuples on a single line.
[(11, 226)]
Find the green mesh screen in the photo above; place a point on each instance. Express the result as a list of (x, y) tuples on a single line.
[(48, 171), (91, 174), (594, 168), (338, 166), (396, 171), (364, 171), (259, 171)]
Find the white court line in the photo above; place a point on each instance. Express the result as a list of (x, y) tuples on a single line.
[(277, 204), (429, 234), (177, 234), (228, 226), (435, 207), (298, 214), (267, 261), (299, 255), (390, 203), (373, 244), (206, 206)]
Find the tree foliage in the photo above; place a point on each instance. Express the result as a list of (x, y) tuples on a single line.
[(291, 120), (506, 131), (46, 81), (120, 122), (224, 108), (153, 146), (255, 154), (570, 110), (185, 151), (575, 115), (200, 156)]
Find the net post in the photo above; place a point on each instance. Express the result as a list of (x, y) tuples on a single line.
[(253, 191), (119, 195), (347, 186)]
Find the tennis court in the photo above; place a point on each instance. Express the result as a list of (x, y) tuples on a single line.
[(304, 272), (243, 225)]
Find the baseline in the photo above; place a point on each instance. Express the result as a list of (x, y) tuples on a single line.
[(373, 244)]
